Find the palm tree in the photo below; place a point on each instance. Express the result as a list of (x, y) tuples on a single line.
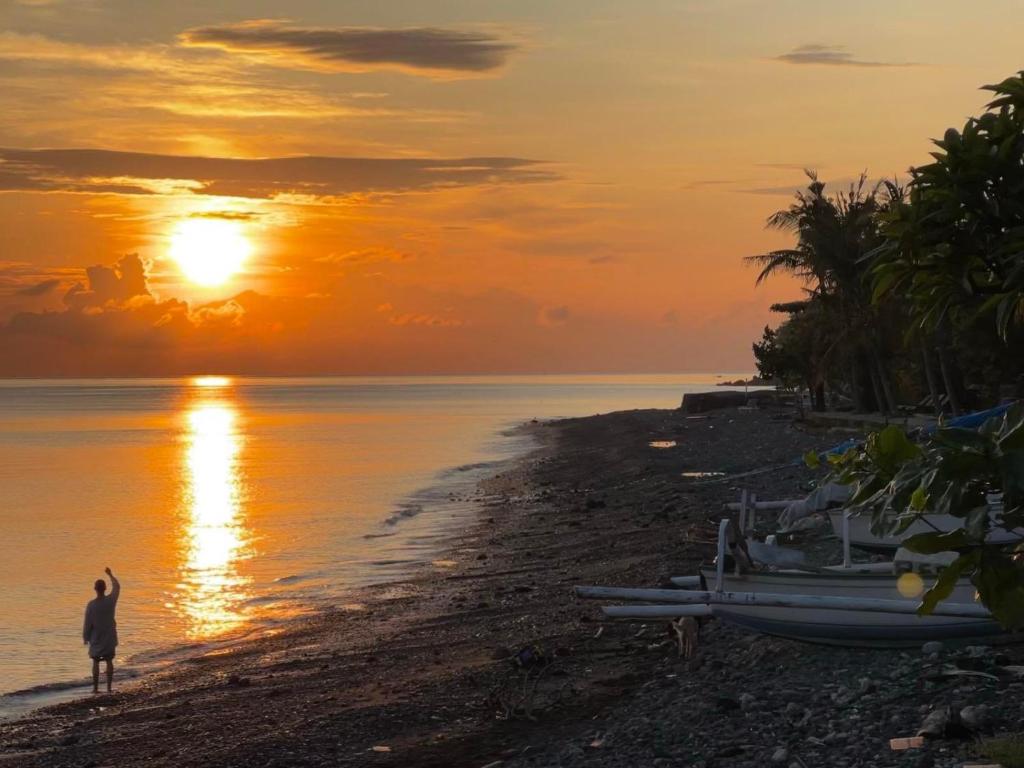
[(834, 235)]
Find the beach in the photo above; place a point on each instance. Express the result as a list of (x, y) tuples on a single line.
[(415, 672)]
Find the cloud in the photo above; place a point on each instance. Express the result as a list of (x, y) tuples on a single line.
[(833, 56), (431, 321), (101, 171), (419, 50), (109, 285), (552, 316), (365, 256), (39, 289)]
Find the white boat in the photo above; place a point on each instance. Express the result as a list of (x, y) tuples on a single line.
[(862, 537), (848, 626)]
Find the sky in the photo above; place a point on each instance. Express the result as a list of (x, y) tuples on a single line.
[(481, 186)]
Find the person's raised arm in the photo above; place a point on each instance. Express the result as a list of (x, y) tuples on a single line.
[(115, 585)]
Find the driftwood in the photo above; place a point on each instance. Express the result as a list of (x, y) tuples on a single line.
[(687, 631)]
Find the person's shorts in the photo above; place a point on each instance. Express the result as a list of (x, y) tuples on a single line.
[(103, 658)]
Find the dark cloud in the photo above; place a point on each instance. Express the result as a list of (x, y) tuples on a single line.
[(551, 316), (833, 56), (416, 50), (39, 289), (109, 285), (105, 171)]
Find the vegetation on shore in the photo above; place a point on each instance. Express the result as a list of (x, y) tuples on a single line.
[(915, 293)]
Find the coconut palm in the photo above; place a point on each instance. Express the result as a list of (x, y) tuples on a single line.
[(834, 235)]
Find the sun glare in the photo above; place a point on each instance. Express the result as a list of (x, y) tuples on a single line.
[(209, 251)]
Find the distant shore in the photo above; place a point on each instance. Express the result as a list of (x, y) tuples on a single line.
[(406, 674)]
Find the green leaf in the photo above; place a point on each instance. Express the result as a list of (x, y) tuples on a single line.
[(932, 543), (812, 460), (1000, 583), (946, 583), (919, 499)]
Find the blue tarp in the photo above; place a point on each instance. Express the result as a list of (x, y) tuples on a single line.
[(967, 421)]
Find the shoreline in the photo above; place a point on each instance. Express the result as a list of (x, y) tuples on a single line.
[(450, 486), (406, 673)]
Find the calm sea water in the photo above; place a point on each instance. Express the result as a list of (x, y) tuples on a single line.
[(228, 505)]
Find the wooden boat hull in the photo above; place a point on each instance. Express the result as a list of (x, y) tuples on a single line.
[(862, 537), (846, 627)]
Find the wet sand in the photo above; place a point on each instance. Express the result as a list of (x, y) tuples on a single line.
[(416, 673)]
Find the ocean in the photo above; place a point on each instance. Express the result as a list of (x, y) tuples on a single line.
[(227, 505)]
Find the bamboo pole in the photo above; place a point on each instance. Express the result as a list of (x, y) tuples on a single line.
[(771, 600), (734, 506), (654, 611)]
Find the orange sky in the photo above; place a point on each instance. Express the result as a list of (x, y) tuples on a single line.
[(472, 186)]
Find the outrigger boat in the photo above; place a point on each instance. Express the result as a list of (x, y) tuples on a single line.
[(861, 536), (849, 625), (873, 604)]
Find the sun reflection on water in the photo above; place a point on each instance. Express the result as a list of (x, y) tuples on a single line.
[(212, 591)]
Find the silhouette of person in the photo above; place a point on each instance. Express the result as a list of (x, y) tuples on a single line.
[(100, 629)]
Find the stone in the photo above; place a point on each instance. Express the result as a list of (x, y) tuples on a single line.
[(747, 700), (780, 755), (931, 648), (726, 704), (866, 685), (975, 717)]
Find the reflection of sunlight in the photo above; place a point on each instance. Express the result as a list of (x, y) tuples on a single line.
[(211, 587), (211, 381)]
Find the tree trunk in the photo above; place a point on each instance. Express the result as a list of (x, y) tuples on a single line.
[(876, 385), (929, 375), (888, 400), (818, 397), (856, 386), (951, 376)]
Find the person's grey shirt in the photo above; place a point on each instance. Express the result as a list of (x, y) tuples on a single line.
[(100, 628)]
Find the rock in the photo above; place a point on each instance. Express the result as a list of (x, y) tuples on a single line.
[(866, 685), (943, 723), (700, 402), (979, 651), (726, 704), (931, 648), (975, 717), (747, 700), (780, 755), (934, 724)]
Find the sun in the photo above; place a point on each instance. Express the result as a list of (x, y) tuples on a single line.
[(209, 251)]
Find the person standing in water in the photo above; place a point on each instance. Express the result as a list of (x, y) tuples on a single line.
[(100, 629)]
